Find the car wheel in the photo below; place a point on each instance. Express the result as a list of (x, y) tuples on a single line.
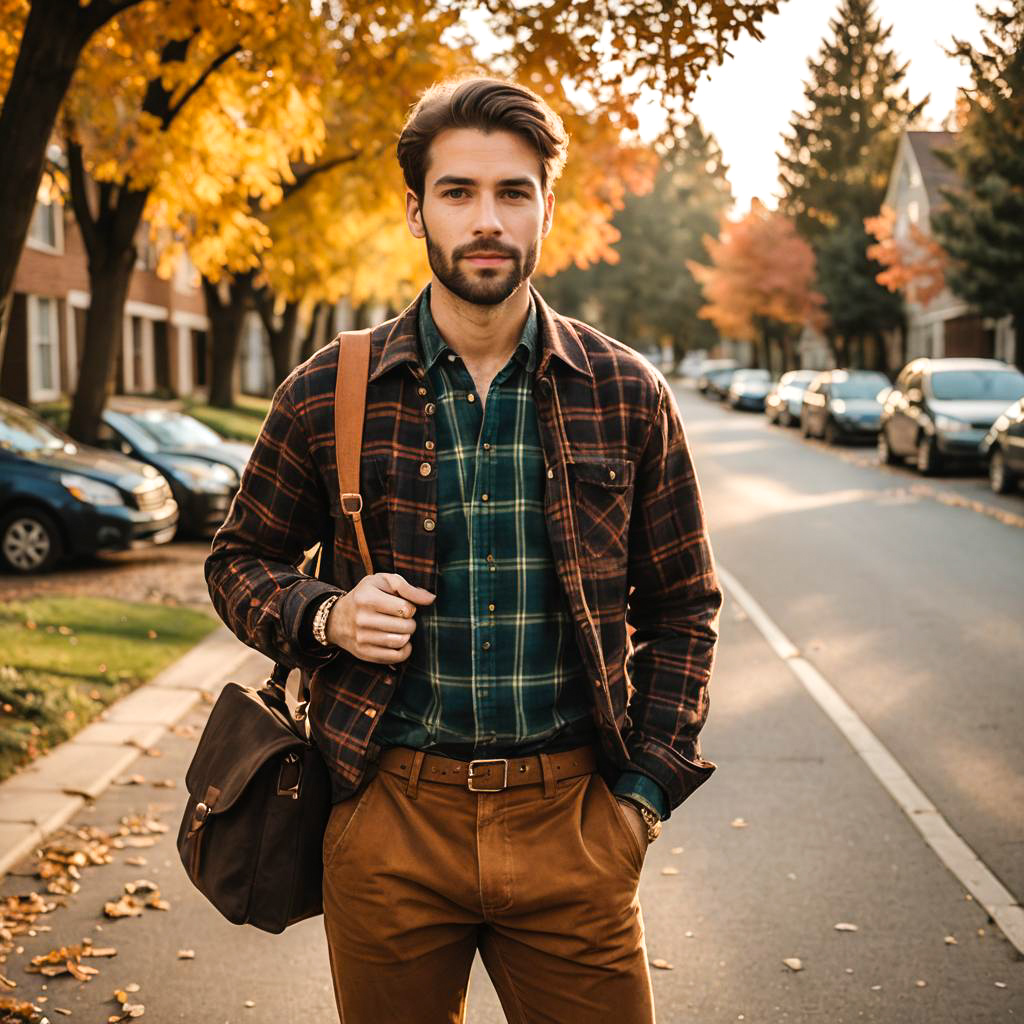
[(831, 433), (928, 461), (886, 456), (999, 477), (785, 418), (30, 541)]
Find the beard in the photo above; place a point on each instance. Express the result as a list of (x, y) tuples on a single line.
[(487, 286)]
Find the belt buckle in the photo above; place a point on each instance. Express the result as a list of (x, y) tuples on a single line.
[(482, 761)]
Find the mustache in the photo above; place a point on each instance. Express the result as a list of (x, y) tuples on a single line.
[(485, 248)]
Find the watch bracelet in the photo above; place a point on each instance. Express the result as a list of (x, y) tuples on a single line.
[(321, 616)]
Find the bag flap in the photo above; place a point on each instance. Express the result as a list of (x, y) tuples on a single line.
[(242, 733)]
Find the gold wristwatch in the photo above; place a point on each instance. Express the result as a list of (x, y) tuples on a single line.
[(653, 822)]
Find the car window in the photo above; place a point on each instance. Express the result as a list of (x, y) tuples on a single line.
[(859, 387), (173, 429), (977, 385), (20, 431), (131, 431)]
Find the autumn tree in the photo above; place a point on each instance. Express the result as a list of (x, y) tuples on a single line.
[(760, 282), (647, 293), (981, 226), (914, 263), (836, 162)]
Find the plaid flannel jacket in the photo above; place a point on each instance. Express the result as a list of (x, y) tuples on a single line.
[(624, 515)]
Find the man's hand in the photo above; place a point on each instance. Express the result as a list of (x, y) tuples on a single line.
[(636, 821), (374, 621)]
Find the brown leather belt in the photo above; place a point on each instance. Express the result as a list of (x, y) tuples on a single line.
[(489, 774)]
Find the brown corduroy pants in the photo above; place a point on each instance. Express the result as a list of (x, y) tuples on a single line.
[(541, 879)]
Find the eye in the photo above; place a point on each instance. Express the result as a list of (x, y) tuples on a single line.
[(450, 193), (516, 193)]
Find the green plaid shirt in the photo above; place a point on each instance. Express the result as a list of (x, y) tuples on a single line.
[(495, 669)]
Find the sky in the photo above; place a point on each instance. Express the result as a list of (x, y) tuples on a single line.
[(746, 103)]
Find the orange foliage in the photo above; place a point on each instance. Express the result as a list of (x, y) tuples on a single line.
[(914, 265), (760, 268)]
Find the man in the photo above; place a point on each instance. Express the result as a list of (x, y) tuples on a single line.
[(501, 753)]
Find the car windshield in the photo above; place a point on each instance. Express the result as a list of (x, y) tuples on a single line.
[(175, 429), (859, 387), (23, 432), (748, 375), (978, 385)]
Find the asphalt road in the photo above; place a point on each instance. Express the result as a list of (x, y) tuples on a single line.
[(908, 601)]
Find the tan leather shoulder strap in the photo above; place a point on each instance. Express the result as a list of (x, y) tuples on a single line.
[(349, 413)]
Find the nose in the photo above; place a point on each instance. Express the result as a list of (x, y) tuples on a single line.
[(487, 223)]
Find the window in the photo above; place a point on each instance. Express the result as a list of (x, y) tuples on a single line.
[(43, 367), (46, 230)]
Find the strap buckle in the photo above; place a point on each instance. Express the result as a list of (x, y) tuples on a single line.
[(352, 507), (473, 770)]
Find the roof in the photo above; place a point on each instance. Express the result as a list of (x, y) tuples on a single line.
[(935, 173), (962, 363)]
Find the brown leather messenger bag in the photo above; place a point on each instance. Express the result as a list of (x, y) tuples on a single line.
[(259, 791)]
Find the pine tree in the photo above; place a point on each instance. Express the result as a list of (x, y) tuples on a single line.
[(982, 225), (649, 294), (839, 152)]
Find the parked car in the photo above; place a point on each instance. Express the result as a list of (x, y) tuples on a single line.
[(203, 469), (747, 389), (689, 366), (710, 366), (782, 403), (842, 405), (718, 383), (1003, 448), (940, 410), (60, 498)]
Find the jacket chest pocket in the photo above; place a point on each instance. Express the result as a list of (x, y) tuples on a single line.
[(603, 496)]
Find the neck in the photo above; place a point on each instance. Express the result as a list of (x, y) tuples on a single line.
[(479, 334)]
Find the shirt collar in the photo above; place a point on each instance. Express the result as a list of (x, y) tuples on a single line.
[(433, 346)]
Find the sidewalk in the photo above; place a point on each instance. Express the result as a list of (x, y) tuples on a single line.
[(41, 797)]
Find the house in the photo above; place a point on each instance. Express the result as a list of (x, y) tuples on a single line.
[(946, 325), (164, 344)]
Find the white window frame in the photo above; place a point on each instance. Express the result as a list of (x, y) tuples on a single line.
[(37, 393), (58, 228)]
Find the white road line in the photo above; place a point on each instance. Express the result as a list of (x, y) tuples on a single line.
[(961, 860)]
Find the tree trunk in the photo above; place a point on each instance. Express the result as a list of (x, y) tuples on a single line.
[(283, 332), (226, 307), (104, 330), (55, 33), (315, 337), (1018, 339)]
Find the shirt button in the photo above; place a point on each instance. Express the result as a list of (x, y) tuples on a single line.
[(486, 645), (428, 525), (490, 558), (421, 391), (490, 607), (451, 357), (484, 497), (429, 446), (424, 469), (471, 397), (429, 408), (487, 446)]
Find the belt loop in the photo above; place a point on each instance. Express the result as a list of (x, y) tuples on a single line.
[(548, 775), (412, 786)]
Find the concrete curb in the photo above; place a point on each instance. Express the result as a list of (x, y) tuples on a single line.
[(46, 794)]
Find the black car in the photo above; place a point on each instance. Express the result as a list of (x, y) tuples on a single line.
[(748, 388), (1003, 447), (58, 497), (203, 469), (709, 366), (718, 383), (940, 410), (843, 405)]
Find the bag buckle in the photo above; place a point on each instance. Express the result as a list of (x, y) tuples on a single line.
[(473, 771), (289, 788), (351, 504)]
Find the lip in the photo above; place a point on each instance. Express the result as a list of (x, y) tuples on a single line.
[(487, 260)]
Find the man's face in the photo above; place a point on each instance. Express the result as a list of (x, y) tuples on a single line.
[(483, 213)]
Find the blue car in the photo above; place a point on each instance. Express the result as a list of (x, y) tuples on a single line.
[(59, 498)]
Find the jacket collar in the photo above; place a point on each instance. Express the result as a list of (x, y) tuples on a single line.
[(396, 342)]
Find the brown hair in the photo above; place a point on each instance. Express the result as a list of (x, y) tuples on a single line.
[(489, 105)]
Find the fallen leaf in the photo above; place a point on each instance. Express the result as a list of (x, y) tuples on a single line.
[(738, 823), (136, 862), (999, 984), (60, 1009), (920, 983), (845, 926), (793, 963), (93, 951), (662, 965), (670, 871), (141, 886), (950, 940), (677, 849), (165, 784), (186, 954), (131, 780), (689, 935), (249, 1004), (8, 982), (876, 988)]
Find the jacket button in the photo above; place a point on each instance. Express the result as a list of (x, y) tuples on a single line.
[(551, 474), (428, 525), (421, 391), (611, 474), (545, 386), (429, 408), (370, 712), (424, 469), (429, 446)]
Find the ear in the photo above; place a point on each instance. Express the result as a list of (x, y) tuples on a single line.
[(414, 214), (549, 214)]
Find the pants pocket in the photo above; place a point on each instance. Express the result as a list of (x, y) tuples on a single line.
[(638, 851), (342, 819)]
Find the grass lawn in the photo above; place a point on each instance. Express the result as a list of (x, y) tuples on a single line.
[(64, 659), (241, 422)]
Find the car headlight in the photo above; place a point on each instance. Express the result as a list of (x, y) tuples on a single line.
[(92, 492), (839, 407), (948, 425), (211, 477)]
